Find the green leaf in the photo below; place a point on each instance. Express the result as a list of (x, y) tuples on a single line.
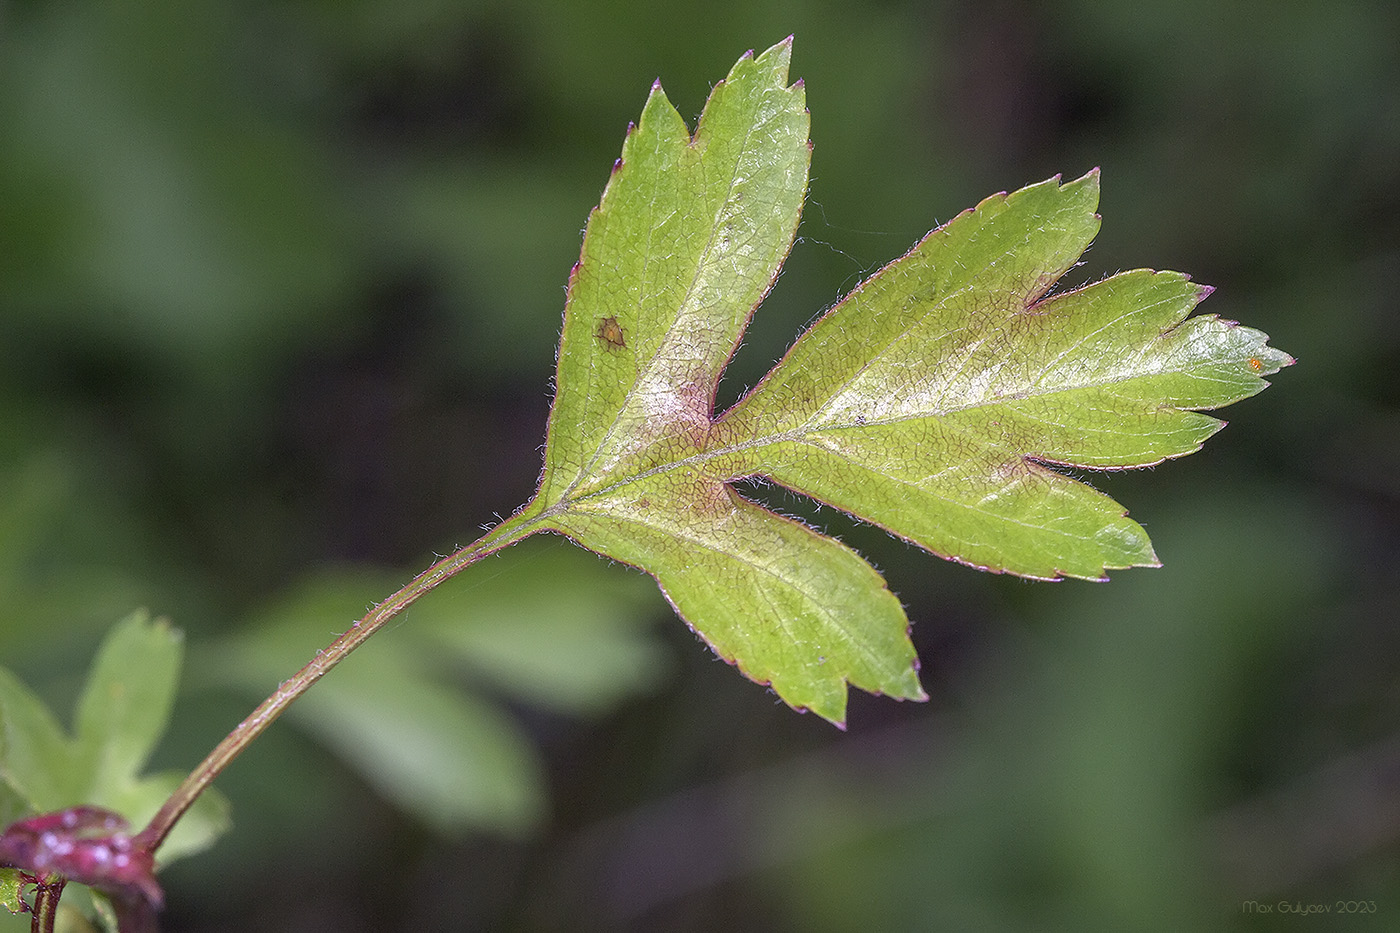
[(549, 624), (543, 622), (98, 907), (432, 749), (448, 756), (689, 235), (120, 717), (122, 713), (36, 757), (10, 890), (938, 400), (12, 805)]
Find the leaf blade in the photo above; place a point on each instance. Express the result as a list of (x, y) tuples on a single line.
[(789, 607), (37, 760), (675, 257), (910, 310), (939, 400), (126, 701), (943, 425)]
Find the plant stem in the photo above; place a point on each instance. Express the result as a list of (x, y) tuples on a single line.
[(235, 742), (46, 897)]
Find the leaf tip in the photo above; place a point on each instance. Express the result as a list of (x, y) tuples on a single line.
[(835, 716), (779, 54), (913, 692), (1092, 178)]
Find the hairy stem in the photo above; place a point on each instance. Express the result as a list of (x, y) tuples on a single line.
[(249, 729)]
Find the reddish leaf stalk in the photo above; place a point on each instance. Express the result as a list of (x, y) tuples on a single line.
[(275, 705), (45, 907), (89, 844)]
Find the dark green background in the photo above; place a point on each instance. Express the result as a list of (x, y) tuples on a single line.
[(280, 285)]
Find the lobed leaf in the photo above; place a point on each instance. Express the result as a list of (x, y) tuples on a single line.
[(36, 758), (688, 237), (792, 608), (122, 712), (125, 705), (936, 397), (938, 400)]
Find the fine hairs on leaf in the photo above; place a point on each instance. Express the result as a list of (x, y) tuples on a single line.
[(936, 400), (943, 399)]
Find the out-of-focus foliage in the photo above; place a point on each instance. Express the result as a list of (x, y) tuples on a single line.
[(399, 711), (280, 288), (121, 714)]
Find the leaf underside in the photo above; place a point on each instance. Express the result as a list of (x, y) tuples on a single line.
[(936, 400)]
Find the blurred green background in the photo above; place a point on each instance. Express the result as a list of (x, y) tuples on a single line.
[(280, 286)]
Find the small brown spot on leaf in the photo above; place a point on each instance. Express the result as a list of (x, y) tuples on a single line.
[(1256, 364), (610, 332)]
